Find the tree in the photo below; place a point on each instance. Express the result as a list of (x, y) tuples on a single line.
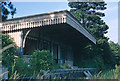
[(7, 55), (88, 13), (115, 47), (90, 17), (7, 8)]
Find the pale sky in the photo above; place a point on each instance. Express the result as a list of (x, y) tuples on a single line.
[(25, 8), (111, 20)]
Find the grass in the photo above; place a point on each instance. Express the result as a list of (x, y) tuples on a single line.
[(101, 75), (106, 75)]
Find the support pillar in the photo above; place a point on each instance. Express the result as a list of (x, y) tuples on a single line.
[(22, 39), (18, 40), (59, 54)]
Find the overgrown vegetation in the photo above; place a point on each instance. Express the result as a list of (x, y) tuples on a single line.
[(42, 60), (7, 55), (108, 74), (101, 55), (115, 48)]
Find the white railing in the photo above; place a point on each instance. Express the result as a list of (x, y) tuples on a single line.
[(31, 22)]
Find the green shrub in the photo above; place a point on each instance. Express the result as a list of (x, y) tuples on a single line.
[(7, 55), (42, 60), (117, 69), (19, 65), (66, 67), (39, 61), (95, 62), (115, 48), (20, 68)]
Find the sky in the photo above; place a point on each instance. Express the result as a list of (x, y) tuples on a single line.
[(111, 19), (34, 7)]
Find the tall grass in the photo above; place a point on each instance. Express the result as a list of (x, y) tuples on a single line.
[(106, 75), (101, 75), (111, 74)]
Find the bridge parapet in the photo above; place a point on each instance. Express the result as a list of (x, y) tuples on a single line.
[(53, 18), (34, 21)]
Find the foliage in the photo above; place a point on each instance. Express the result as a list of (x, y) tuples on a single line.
[(94, 62), (66, 66), (115, 47), (117, 69), (39, 61), (105, 75), (106, 53), (108, 74), (96, 56), (7, 55), (20, 68), (42, 60), (90, 17), (88, 13), (19, 65), (7, 8)]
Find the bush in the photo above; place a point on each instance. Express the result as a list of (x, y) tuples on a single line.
[(39, 61), (115, 48), (7, 55), (42, 60), (117, 69), (20, 68), (19, 65)]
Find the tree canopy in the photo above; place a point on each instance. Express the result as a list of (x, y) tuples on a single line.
[(90, 16), (7, 8), (88, 13), (7, 55)]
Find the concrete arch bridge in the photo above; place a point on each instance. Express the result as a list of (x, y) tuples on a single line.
[(59, 32)]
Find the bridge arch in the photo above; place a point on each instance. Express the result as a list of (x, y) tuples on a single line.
[(58, 32)]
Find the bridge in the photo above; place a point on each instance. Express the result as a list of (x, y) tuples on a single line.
[(59, 32)]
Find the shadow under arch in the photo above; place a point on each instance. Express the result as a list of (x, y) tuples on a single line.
[(63, 41), (30, 41)]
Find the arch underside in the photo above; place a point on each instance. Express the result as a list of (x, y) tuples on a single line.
[(59, 32), (61, 40)]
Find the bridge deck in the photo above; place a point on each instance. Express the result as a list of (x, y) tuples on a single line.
[(29, 22)]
